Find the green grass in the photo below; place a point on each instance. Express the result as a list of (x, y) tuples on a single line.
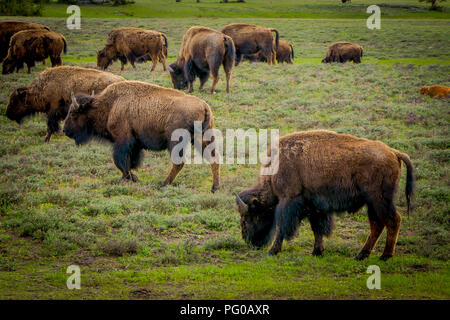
[(309, 9), (62, 205)]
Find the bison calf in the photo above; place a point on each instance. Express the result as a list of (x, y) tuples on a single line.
[(250, 39), (343, 52), (202, 52), (321, 173), (29, 46), (134, 116), (9, 28), (437, 92), (133, 45), (285, 53), (49, 93)]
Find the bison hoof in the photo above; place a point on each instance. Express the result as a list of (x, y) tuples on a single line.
[(362, 255), (272, 252), (385, 257), (214, 189), (317, 252), (131, 177)]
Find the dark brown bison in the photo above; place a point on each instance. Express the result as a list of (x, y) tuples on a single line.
[(133, 45), (343, 52), (9, 28), (202, 52), (285, 53), (250, 39), (134, 116), (29, 46), (49, 93), (321, 173)]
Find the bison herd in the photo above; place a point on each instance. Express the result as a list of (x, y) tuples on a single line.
[(319, 172)]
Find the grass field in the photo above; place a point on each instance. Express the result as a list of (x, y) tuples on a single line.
[(62, 205)]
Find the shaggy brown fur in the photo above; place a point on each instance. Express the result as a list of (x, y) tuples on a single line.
[(29, 46), (320, 173), (135, 116), (202, 52), (9, 28), (343, 52), (285, 53), (437, 92), (133, 45), (249, 39), (49, 93)]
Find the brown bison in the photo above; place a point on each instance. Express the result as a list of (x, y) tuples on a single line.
[(9, 28), (29, 46), (249, 39), (285, 53), (133, 45), (134, 116), (202, 52), (437, 92), (321, 173), (49, 93), (343, 52)]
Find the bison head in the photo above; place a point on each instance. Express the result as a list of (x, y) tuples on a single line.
[(77, 125), (18, 108), (424, 90), (8, 66), (325, 60), (256, 218), (178, 78), (105, 57)]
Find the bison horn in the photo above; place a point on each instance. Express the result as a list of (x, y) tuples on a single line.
[(243, 208), (74, 101), (170, 69)]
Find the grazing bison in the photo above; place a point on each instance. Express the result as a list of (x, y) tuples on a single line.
[(437, 92), (9, 28), (321, 173), (285, 53), (29, 46), (202, 52), (250, 39), (343, 52), (133, 45), (49, 93), (135, 115)]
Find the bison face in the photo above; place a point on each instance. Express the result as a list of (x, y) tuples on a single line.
[(8, 66), (256, 219), (424, 90), (178, 79), (325, 60), (103, 61), (18, 108), (77, 125)]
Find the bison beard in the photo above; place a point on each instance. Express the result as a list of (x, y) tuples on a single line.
[(322, 173)]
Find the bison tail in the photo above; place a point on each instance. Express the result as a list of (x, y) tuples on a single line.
[(207, 121), (230, 50), (292, 52), (65, 45), (409, 189), (277, 38), (165, 44)]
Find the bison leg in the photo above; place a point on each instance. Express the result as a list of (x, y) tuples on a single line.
[(176, 168), (122, 158), (215, 167), (321, 225), (154, 63), (203, 78), (215, 75), (288, 215), (227, 66), (393, 228), (238, 58), (52, 125), (376, 228), (56, 61)]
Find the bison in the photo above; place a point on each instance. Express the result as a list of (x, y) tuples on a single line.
[(250, 39), (285, 53), (9, 28), (320, 173), (29, 46), (49, 93), (133, 45), (134, 116), (343, 52), (202, 52), (437, 92)]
